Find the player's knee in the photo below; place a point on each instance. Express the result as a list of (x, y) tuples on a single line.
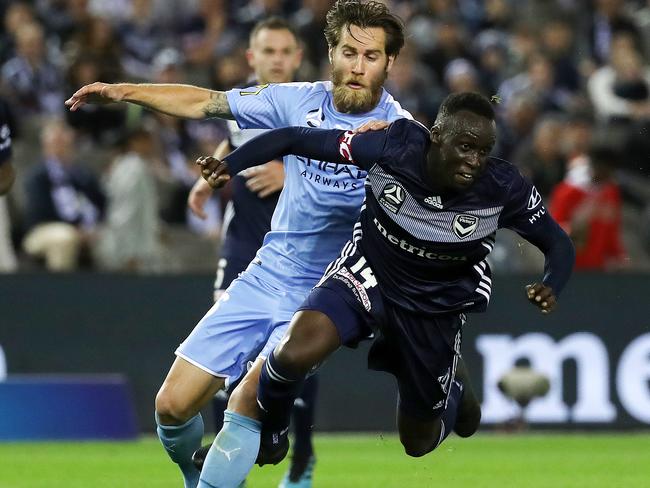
[(468, 424), (295, 355), (417, 446), (243, 399), (171, 409)]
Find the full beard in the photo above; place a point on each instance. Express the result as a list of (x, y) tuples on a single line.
[(351, 101)]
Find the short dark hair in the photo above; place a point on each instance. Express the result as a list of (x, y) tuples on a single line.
[(345, 13), (273, 23), (470, 101)]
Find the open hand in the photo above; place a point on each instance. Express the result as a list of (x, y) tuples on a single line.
[(541, 296), (94, 93), (214, 171), (265, 179), (372, 125)]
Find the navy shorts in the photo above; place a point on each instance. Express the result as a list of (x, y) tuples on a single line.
[(421, 351)]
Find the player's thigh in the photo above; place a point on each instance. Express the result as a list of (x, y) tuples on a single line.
[(186, 389), (423, 355), (234, 330)]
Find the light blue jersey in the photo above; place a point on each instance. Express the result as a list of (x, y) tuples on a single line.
[(313, 219), (320, 202)]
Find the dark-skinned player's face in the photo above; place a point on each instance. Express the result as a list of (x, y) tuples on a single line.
[(460, 147)]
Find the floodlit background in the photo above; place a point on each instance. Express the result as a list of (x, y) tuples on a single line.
[(87, 341)]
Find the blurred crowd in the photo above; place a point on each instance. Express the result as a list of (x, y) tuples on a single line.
[(570, 80)]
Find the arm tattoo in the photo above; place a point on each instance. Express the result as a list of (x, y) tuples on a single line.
[(218, 106)]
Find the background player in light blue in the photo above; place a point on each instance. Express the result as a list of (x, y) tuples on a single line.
[(314, 217)]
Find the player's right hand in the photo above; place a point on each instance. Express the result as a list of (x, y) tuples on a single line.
[(94, 93), (199, 195), (214, 171)]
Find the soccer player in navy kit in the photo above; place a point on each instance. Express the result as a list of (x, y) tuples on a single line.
[(416, 263), (274, 54)]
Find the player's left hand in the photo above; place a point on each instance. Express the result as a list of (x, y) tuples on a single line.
[(541, 296), (214, 171), (372, 125), (265, 179)]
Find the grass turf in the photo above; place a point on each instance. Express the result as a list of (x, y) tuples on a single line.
[(373, 461)]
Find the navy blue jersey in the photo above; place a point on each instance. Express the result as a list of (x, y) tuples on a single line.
[(5, 133), (247, 217), (427, 251)]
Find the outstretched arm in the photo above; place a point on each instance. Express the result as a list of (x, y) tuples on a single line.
[(559, 255), (185, 101)]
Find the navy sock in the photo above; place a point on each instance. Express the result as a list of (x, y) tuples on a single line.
[(278, 389), (303, 418)]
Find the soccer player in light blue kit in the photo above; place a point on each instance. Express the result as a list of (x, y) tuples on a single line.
[(314, 217)]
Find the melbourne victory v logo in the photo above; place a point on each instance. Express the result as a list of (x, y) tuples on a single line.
[(464, 225)]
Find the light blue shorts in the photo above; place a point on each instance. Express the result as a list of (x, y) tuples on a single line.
[(247, 322)]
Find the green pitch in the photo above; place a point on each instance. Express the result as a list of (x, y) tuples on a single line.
[(354, 461)]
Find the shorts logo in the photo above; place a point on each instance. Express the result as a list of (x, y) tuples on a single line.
[(534, 199), (355, 285), (444, 380), (392, 197), (464, 225)]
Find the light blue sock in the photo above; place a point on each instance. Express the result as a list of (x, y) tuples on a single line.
[(233, 452), (180, 442)]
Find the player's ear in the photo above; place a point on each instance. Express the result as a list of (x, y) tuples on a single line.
[(249, 58), (389, 64), (434, 135), (329, 54)]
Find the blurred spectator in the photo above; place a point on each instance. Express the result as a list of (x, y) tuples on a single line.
[(65, 203), (493, 63), (414, 85), (460, 76), (310, 24), (30, 81), (142, 38), (14, 15), (516, 123), (539, 80), (557, 43), (96, 39), (208, 33), (607, 20), (541, 158), (621, 88), (101, 122), (451, 43), (587, 204), (7, 174), (131, 237)]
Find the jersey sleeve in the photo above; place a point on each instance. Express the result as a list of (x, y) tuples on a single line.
[(526, 214), (325, 145), (266, 106)]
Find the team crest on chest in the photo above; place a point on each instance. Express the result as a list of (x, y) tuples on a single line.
[(465, 225), (392, 197)]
